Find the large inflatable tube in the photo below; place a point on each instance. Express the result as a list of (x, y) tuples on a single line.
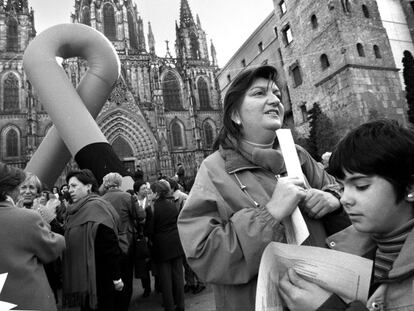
[(75, 131)]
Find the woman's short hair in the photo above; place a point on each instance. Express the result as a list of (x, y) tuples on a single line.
[(10, 179), (112, 180), (161, 187), (32, 178), (234, 97), (383, 148), (85, 176)]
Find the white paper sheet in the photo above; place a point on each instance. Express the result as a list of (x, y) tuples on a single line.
[(297, 231), (344, 274)]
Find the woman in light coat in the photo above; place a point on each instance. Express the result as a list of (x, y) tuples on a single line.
[(26, 244), (237, 206)]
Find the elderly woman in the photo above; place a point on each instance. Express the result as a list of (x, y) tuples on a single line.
[(237, 206), (26, 244), (124, 205), (29, 190), (91, 270)]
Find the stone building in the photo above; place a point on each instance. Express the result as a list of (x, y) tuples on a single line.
[(335, 53), (163, 110), (262, 47)]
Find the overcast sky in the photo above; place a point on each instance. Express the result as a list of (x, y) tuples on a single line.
[(227, 22)]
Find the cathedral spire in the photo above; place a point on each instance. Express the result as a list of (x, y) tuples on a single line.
[(213, 53), (198, 21), (186, 18), (168, 54), (151, 40)]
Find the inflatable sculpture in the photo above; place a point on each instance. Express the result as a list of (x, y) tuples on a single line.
[(75, 132)]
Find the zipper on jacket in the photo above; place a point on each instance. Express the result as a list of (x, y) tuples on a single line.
[(244, 189)]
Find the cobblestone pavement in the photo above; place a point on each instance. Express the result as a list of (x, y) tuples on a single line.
[(203, 301)]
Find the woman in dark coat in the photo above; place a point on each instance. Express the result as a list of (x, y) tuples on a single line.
[(91, 271), (166, 247)]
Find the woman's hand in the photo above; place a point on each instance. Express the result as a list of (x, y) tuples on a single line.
[(299, 294), (289, 191), (318, 203)]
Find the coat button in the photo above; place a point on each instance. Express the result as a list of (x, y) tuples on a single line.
[(332, 244), (375, 306)]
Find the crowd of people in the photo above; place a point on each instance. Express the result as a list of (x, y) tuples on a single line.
[(91, 240), (86, 241)]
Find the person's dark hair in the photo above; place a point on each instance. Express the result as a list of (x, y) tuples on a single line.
[(138, 185), (61, 187), (139, 174), (161, 188), (65, 196), (173, 184), (234, 97), (47, 193), (10, 179), (381, 147), (85, 176)]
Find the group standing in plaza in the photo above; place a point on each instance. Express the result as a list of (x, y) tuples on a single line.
[(94, 240), (86, 241)]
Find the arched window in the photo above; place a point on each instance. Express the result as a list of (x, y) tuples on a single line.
[(324, 61), (132, 33), (86, 16), (203, 94), (12, 36), (12, 143), (360, 50), (208, 134), (365, 11), (177, 135), (314, 21), (11, 93), (109, 21), (377, 52), (171, 92), (122, 148)]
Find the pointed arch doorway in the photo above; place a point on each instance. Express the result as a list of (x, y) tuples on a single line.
[(125, 153)]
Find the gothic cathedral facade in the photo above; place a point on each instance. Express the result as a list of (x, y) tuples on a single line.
[(162, 111)]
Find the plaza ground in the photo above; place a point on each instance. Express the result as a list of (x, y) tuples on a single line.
[(203, 301)]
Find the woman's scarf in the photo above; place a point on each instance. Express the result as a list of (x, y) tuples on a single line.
[(263, 155), (79, 271)]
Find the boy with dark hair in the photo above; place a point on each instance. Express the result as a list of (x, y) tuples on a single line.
[(374, 163)]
